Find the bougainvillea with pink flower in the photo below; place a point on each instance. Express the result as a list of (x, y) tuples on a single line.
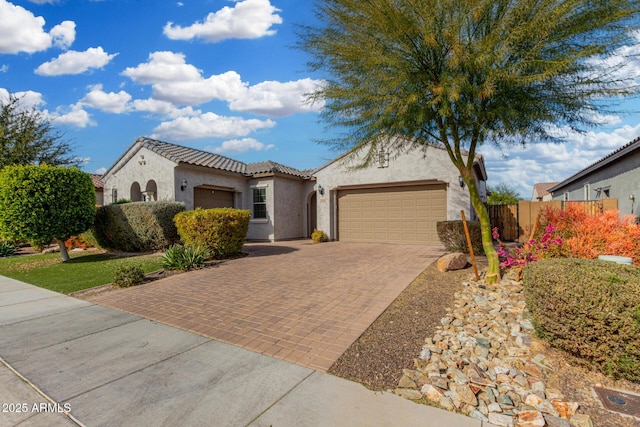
[(535, 249)]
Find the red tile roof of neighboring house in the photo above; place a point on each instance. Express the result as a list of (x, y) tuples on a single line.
[(97, 180), (542, 188)]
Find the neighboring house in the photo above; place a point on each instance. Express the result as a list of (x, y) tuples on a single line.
[(394, 200), (98, 186), (541, 191), (617, 175)]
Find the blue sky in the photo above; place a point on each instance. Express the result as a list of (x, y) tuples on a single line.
[(216, 75)]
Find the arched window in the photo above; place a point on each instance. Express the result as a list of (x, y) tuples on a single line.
[(151, 192), (135, 194)]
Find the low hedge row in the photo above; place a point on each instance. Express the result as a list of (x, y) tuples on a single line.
[(221, 230), (138, 226), (589, 308), (452, 236)]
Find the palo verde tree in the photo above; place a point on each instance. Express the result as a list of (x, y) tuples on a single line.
[(27, 137), (45, 203), (459, 73)]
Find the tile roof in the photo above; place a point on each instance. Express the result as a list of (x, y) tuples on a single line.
[(542, 188), (269, 166), (192, 156), (97, 180)]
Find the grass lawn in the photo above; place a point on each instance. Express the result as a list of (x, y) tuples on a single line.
[(85, 269)]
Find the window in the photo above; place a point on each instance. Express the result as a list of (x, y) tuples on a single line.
[(260, 203), (114, 195)]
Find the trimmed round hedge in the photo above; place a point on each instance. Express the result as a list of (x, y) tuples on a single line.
[(590, 309)]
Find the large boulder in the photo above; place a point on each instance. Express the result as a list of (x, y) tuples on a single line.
[(454, 261)]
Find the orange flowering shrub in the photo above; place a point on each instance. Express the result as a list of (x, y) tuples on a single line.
[(587, 236)]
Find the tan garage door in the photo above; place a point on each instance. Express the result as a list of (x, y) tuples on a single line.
[(394, 214), (207, 198)]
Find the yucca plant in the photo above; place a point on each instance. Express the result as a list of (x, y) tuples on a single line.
[(179, 257)]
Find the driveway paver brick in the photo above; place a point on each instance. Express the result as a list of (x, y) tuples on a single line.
[(298, 301)]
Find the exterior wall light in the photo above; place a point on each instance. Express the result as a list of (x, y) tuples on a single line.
[(183, 186), (321, 190), (461, 181)]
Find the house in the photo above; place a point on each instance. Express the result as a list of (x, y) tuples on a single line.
[(99, 188), (616, 175), (541, 191), (396, 199)]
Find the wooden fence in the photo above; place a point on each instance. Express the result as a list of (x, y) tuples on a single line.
[(514, 222)]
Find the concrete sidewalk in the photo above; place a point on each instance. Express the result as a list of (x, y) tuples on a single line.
[(109, 368)]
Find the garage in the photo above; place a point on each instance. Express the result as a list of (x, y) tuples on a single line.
[(207, 198), (399, 214)]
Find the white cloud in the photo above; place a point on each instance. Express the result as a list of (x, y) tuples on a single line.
[(163, 67), (74, 116), (43, 1), (22, 31), (241, 146), (174, 81), (164, 108), (248, 19), (28, 99), (276, 99), (548, 162), (4, 68), (101, 171), (74, 62), (110, 102), (208, 125), (63, 35)]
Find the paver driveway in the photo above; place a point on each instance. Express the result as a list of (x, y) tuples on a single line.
[(302, 302)]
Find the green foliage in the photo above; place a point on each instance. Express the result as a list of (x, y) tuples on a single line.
[(128, 275), (6, 249), (502, 194), (42, 203), (221, 230), (39, 245), (319, 236), (122, 201), (409, 73), (451, 235), (27, 137), (137, 226), (179, 257), (590, 309), (89, 239)]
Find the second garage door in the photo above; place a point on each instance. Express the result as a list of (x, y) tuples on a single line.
[(392, 214), (207, 198)]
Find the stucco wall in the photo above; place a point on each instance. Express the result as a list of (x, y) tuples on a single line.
[(289, 208), (417, 165), (198, 176), (143, 166), (261, 229), (621, 177)]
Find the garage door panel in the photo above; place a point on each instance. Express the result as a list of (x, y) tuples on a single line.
[(207, 198), (393, 214)]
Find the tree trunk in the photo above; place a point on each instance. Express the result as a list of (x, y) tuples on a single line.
[(63, 250), (493, 272)]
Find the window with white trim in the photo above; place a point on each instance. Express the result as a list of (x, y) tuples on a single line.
[(260, 203)]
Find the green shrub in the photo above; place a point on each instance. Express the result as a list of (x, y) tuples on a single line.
[(39, 245), (451, 235), (6, 249), (221, 230), (122, 201), (179, 257), (590, 309), (90, 239), (319, 236), (128, 275), (137, 226)]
